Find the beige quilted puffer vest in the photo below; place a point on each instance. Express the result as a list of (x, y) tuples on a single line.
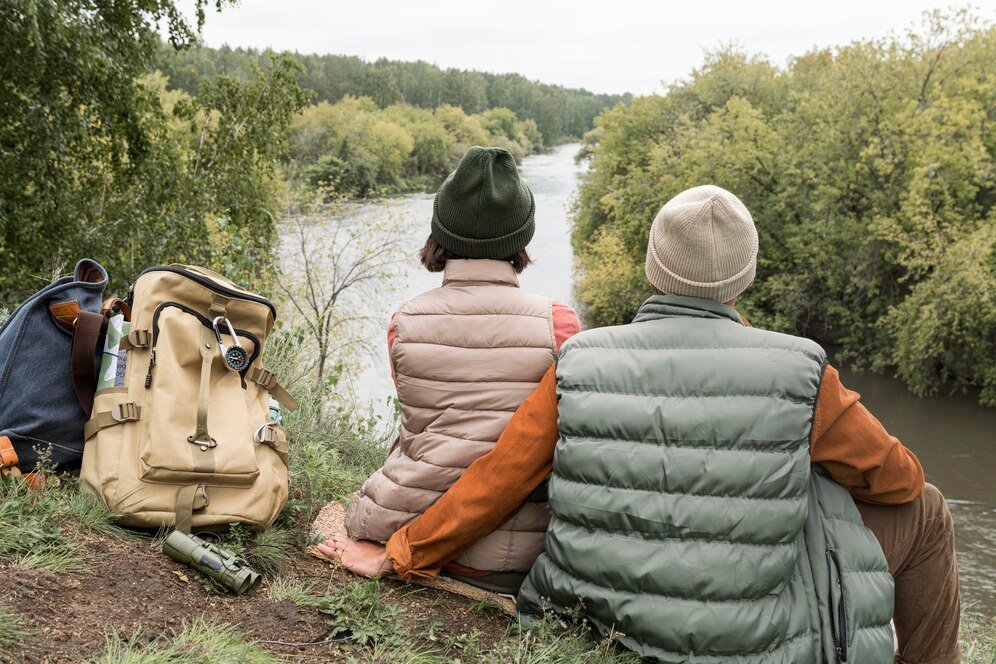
[(465, 356)]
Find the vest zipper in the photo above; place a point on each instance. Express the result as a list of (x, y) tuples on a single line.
[(206, 323), (838, 614)]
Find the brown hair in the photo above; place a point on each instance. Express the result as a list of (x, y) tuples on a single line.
[(434, 256)]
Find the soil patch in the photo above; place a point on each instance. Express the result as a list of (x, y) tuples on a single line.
[(129, 587)]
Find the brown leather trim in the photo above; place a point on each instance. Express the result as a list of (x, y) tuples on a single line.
[(65, 313)]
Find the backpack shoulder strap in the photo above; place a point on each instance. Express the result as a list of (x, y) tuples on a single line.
[(86, 339)]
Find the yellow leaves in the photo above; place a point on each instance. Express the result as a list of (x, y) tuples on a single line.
[(609, 281)]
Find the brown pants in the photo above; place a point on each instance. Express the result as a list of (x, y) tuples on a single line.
[(918, 541)]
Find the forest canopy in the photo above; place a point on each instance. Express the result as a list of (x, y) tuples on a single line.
[(559, 113), (869, 170)]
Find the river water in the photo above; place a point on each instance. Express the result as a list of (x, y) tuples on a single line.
[(954, 437)]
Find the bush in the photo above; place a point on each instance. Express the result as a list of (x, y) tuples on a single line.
[(868, 171)]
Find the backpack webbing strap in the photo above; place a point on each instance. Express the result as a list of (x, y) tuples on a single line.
[(189, 498), (201, 436), (268, 380), (86, 341), (123, 412)]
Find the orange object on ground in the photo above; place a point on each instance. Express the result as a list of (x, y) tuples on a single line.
[(8, 466), (8, 458)]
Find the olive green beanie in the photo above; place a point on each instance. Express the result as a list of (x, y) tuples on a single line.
[(483, 209)]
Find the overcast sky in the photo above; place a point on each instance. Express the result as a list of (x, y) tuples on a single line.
[(604, 45)]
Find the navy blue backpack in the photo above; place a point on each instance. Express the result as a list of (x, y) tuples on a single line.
[(50, 351)]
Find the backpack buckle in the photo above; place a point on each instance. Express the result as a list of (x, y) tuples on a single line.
[(125, 412), (265, 378)]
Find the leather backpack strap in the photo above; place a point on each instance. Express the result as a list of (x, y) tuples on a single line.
[(89, 329), (112, 303)]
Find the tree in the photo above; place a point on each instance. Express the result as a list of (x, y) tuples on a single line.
[(98, 159), (868, 170), (335, 265)]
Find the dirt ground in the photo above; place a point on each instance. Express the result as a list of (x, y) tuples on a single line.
[(131, 588)]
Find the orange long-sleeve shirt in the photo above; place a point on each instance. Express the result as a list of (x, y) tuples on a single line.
[(850, 443)]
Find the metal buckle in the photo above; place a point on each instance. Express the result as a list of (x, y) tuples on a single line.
[(125, 412), (204, 444), (264, 434)]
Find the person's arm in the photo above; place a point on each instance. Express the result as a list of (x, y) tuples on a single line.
[(489, 492), (857, 451)]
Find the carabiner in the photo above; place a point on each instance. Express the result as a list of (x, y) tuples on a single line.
[(235, 357)]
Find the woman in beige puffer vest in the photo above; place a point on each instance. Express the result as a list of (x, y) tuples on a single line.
[(464, 356)]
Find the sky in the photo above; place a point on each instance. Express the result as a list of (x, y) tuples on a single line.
[(610, 46)]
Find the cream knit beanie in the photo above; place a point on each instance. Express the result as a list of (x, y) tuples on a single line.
[(703, 244)]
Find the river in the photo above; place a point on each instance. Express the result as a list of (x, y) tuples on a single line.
[(952, 435)]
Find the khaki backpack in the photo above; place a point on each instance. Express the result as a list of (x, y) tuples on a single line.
[(187, 441)]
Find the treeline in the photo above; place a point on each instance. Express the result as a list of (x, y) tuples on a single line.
[(359, 149), (99, 159), (559, 113), (869, 170)]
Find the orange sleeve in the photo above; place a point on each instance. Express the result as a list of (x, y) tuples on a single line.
[(857, 451), (491, 490), (565, 323)]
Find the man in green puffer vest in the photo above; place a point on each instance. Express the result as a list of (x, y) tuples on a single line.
[(701, 481)]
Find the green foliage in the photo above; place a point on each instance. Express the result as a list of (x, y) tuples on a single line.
[(299, 592), (39, 525), (268, 551), (869, 170), (361, 150), (552, 641), (334, 450), (198, 642), (556, 112), (356, 611), (99, 159)]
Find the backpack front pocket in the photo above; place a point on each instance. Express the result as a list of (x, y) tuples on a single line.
[(198, 424)]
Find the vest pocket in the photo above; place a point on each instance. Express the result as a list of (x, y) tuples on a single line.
[(199, 424), (837, 600)]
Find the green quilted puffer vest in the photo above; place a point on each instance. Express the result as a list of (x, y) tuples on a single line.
[(687, 518)]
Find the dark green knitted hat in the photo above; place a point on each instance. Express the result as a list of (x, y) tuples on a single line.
[(483, 209)]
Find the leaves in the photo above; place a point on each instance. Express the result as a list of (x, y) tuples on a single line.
[(98, 159), (869, 170)]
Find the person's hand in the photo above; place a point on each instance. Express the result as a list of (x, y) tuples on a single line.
[(362, 558)]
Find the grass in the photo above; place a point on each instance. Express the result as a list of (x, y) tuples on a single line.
[(198, 642), (978, 638), (12, 633), (299, 592), (334, 451), (38, 527)]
